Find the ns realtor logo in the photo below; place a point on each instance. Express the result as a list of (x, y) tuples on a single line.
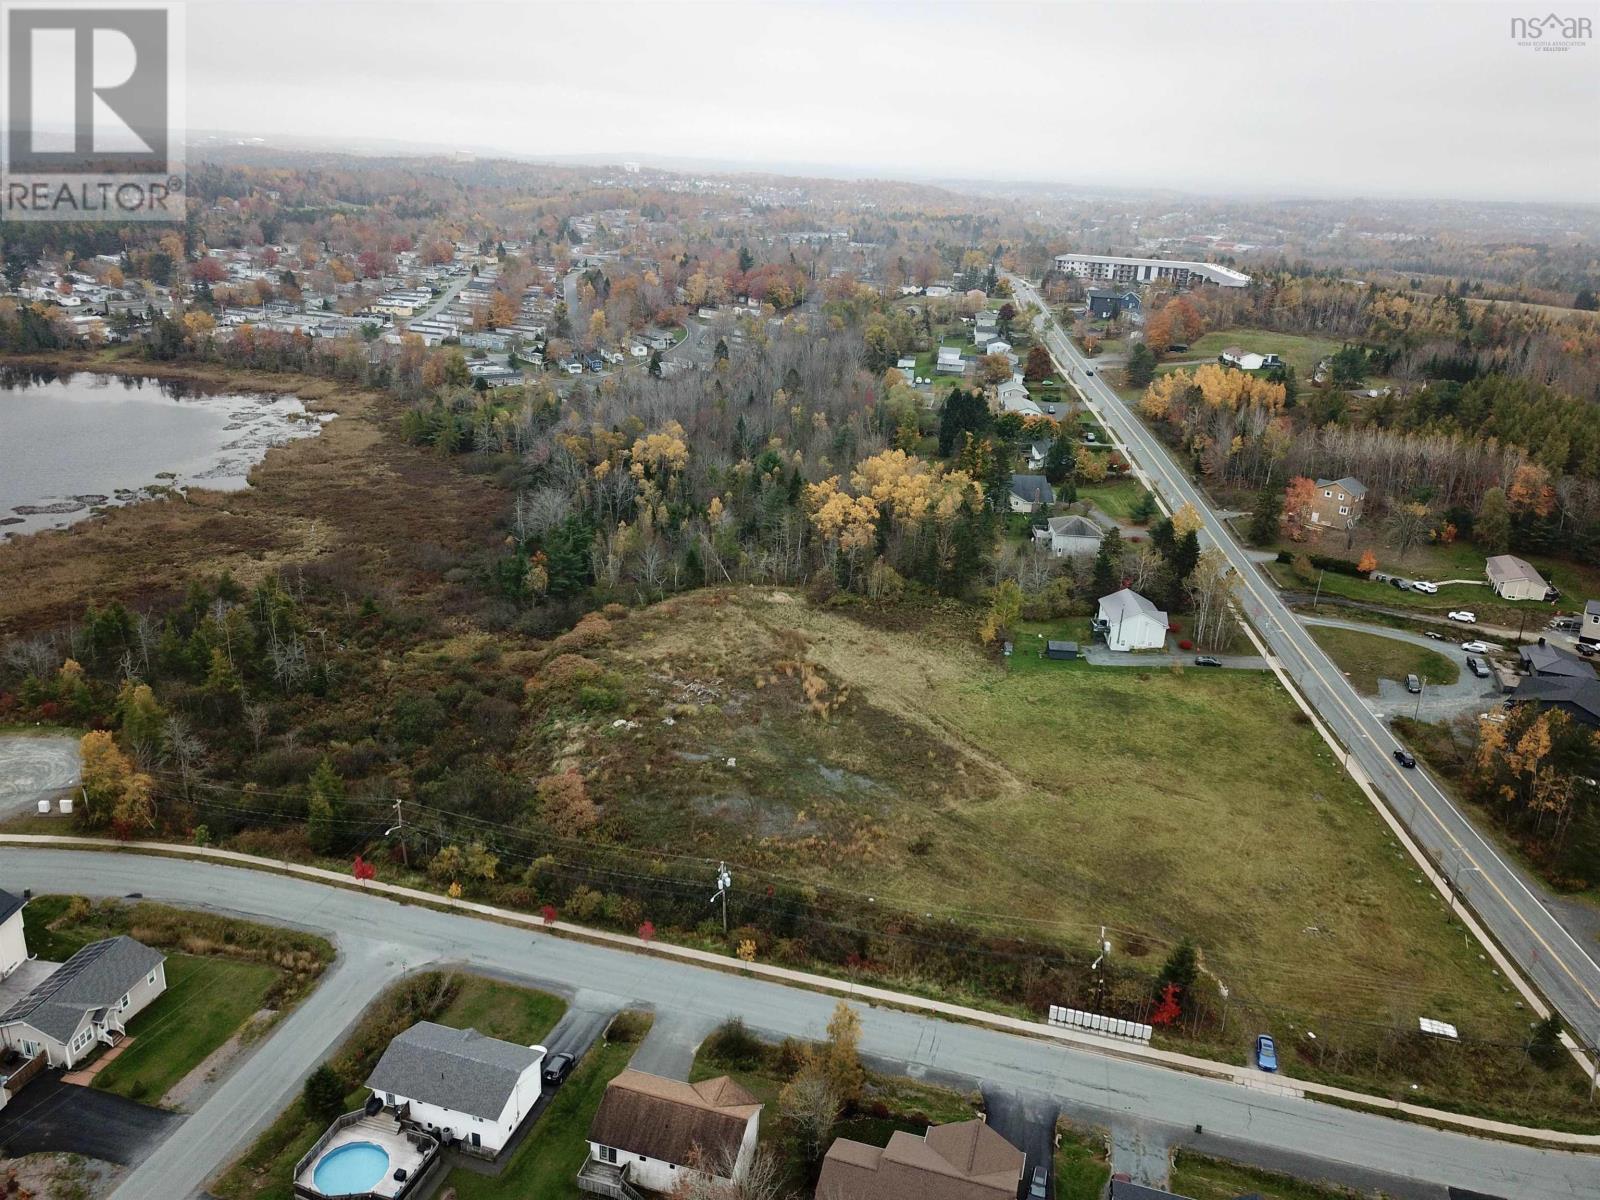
[(1552, 33), (93, 116)]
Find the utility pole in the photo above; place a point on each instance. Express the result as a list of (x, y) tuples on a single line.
[(399, 827), (724, 882), (1099, 979), (1318, 596)]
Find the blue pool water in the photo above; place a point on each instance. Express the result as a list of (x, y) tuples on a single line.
[(351, 1169)]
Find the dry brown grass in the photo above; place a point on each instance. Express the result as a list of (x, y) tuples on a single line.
[(355, 490)]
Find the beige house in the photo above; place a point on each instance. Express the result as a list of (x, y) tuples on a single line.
[(1338, 503), (1513, 578), (966, 1161)]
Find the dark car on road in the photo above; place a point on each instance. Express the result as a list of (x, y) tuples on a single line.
[(1434, 634), (1266, 1053), (1405, 759), (1206, 660), (556, 1068), (1087, 371)]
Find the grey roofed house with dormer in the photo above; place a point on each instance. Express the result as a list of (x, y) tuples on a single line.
[(1070, 536), (1029, 491), (86, 1001)]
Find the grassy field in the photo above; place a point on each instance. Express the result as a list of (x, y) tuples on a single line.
[(265, 1171), (1201, 1178), (1117, 499), (1300, 352), (1078, 795), (547, 1163), (1368, 657), (207, 1001)]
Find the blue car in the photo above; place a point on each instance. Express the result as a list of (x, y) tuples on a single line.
[(1266, 1054)]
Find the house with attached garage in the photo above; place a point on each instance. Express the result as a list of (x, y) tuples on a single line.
[(1070, 537), (654, 1133), (1513, 578), (462, 1087), (65, 1011)]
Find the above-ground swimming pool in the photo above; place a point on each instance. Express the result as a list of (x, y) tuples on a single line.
[(351, 1169)]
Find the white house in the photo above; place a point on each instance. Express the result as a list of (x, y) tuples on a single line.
[(652, 1132), (1070, 537), (459, 1084), (1589, 633), (1130, 622), (1233, 356), (65, 1010), (950, 361), (1513, 578), (1013, 396), (1030, 493), (13, 946)]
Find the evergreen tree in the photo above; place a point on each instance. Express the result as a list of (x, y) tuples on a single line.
[(1141, 366), (324, 1094), (1265, 515), (1060, 463), (323, 807)]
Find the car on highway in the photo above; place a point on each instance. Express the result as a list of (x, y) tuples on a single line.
[(1465, 617), (1413, 685), (556, 1068), (1206, 660), (1475, 647), (1422, 585), (1087, 371), (1266, 1053), (1039, 1187), (1405, 759)]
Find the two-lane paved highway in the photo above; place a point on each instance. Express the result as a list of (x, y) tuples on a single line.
[(382, 937), (1507, 901)]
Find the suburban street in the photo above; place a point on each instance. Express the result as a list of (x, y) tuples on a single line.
[(379, 939), (1513, 906)]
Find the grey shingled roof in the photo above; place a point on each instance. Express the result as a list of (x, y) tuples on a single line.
[(97, 976), (458, 1069), (1128, 603), (8, 904)]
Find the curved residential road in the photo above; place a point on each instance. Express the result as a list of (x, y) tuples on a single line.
[(1511, 905), (379, 938)]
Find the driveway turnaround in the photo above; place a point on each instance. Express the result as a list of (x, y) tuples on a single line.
[(379, 938), (1512, 905), (35, 767), (51, 1116), (1028, 1122)]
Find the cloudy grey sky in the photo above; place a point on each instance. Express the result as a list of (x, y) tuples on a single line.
[(1433, 100)]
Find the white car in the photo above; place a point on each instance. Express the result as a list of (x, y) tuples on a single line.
[(1475, 647), (1466, 618), (1420, 585)]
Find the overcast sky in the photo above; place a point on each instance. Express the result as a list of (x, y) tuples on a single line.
[(1432, 100)]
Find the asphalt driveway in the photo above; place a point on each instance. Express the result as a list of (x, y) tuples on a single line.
[(51, 1116), (1028, 1122)]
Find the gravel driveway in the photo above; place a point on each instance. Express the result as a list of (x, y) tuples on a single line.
[(34, 767)]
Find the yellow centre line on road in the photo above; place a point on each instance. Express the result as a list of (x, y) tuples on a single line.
[(1155, 464)]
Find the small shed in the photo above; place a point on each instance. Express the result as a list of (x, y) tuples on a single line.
[(1063, 651)]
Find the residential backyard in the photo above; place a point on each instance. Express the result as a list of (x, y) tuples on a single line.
[(1201, 1178), (1298, 350)]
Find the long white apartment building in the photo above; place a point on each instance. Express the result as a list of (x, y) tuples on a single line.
[(1114, 269)]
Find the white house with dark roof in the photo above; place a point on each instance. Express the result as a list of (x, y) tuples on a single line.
[(67, 1010), (1589, 631), (459, 1084), (1514, 578)]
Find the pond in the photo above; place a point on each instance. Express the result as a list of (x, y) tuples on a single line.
[(73, 444)]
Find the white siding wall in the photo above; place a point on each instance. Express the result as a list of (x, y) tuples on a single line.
[(493, 1134), (13, 949), (659, 1176)]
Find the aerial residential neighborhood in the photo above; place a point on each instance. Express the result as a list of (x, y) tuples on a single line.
[(616, 601)]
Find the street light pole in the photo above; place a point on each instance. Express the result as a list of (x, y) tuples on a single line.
[(724, 882)]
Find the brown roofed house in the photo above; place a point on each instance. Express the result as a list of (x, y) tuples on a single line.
[(966, 1161), (650, 1132)]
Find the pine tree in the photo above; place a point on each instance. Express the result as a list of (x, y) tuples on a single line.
[(323, 806)]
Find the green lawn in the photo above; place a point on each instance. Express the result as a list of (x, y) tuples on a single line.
[(546, 1165), (1368, 657), (522, 1015), (1202, 1178), (206, 1002), (1114, 498), (1081, 1166), (1299, 351)]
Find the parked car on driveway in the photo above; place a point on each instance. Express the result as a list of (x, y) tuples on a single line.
[(1465, 617), (1413, 685), (1478, 667), (1405, 759), (1475, 647), (1266, 1053), (1206, 660), (1038, 1188), (1434, 634), (556, 1068), (1402, 584), (1422, 585)]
